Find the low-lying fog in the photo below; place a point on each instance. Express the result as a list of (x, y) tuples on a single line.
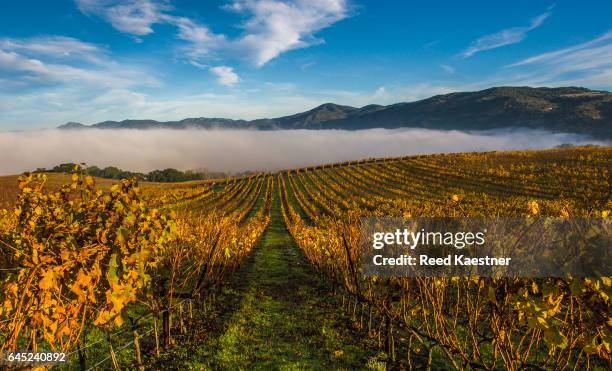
[(240, 150)]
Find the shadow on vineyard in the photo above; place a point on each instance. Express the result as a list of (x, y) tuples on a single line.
[(275, 313)]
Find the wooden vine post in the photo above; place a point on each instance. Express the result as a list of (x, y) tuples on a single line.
[(181, 321), (166, 328), (113, 357), (137, 349), (156, 333)]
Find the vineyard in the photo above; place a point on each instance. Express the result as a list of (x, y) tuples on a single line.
[(263, 271)]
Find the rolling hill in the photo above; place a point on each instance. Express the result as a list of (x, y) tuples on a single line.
[(566, 109)]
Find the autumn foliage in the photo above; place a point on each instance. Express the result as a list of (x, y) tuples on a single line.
[(76, 255), (461, 322)]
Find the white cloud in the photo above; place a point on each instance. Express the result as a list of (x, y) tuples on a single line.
[(271, 28), (586, 64), (276, 26), (581, 51), (50, 80), (57, 47), (380, 93), (135, 17), (504, 37), (225, 75), (36, 73), (56, 77), (199, 65), (201, 41)]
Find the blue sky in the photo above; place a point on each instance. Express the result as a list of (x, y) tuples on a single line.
[(95, 60)]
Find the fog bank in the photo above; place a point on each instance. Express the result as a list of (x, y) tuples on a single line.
[(240, 150)]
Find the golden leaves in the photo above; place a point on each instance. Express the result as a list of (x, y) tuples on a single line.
[(556, 313), (66, 240), (89, 181), (48, 280)]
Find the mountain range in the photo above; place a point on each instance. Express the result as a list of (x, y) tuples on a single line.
[(564, 109)]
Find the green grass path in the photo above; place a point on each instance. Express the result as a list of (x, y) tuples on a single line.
[(274, 314)]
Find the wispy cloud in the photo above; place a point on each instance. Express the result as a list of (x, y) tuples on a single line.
[(588, 64), (581, 51), (135, 17), (59, 76), (34, 72), (225, 75), (307, 65), (270, 28), (275, 26), (448, 69), (57, 47), (201, 42), (504, 37)]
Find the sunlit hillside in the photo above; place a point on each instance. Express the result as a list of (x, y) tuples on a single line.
[(205, 271)]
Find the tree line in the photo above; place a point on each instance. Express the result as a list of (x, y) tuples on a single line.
[(112, 172)]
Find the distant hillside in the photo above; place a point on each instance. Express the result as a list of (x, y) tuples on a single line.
[(570, 109)]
